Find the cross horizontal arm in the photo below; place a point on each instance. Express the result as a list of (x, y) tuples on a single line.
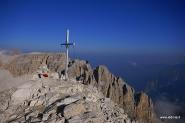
[(67, 44)]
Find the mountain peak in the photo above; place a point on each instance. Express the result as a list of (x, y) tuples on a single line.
[(109, 85)]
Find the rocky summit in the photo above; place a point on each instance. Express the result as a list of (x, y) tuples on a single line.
[(90, 95), (53, 100)]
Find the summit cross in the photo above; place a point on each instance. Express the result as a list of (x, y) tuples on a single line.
[(67, 45)]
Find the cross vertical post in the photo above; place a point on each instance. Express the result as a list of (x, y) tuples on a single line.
[(67, 45)]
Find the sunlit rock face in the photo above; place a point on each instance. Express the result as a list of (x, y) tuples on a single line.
[(29, 63), (137, 105)]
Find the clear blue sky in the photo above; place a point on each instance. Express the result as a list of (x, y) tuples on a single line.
[(150, 26)]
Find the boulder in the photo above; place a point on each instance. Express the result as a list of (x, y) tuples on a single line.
[(69, 100), (74, 109), (36, 103), (83, 118), (21, 95)]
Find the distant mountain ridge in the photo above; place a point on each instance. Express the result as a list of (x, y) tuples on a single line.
[(170, 79), (168, 87)]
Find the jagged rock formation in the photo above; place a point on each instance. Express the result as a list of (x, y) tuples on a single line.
[(144, 106), (137, 105)]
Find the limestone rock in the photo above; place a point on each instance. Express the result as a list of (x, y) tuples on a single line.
[(69, 100), (143, 107), (54, 75), (24, 92), (56, 62), (111, 86), (84, 118), (5, 100), (120, 92), (80, 70), (36, 103), (74, 109), (29, 63), (46, 100)]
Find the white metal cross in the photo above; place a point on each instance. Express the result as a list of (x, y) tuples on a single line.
[(67, 45)]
